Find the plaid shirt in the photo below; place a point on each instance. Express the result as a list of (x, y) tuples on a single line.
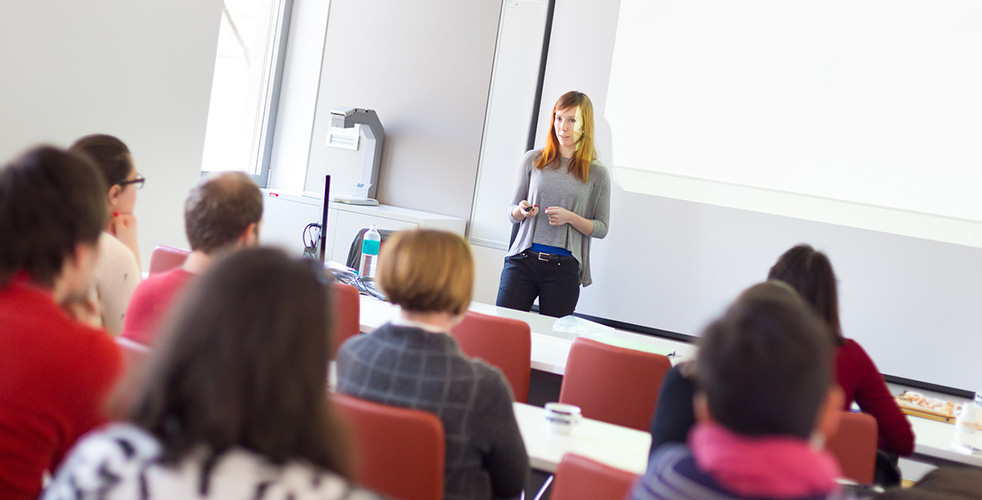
[(411, 367)]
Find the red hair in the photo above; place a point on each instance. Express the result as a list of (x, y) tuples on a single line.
[(585, 151)]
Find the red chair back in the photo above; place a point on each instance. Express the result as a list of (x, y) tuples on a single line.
[(581, 478), (613, 384), (399, 452), (854, 446), (501, 342), (135, 356), (347, 314), (165, 258)]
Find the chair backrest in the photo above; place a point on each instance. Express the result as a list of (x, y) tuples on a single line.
[(854, 446), (135, 356), (399, 452), (165, 258), (581, 478), (502, 342), (347, 312), (613, 384)]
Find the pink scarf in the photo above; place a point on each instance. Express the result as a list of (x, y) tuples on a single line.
[(769, 467)]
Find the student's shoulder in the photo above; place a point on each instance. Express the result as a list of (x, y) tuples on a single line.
[(93, 348), (161, 285), (119, 451)]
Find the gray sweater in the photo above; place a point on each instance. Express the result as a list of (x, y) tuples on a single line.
[(551, 187), (410, 367)]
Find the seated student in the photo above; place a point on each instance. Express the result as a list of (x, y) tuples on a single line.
[(766, 395), (810, 273), (414, 362), (55, 372), (221, 213), (234, 402), (674, 416), (118, 273)]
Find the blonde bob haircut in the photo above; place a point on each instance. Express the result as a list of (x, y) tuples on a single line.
[(425, 270)]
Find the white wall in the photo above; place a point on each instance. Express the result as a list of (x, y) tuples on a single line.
[(425, 67), (298, 95), (139, 70)]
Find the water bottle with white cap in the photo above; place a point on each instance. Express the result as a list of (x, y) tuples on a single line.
[(370, 245), (968, 438)]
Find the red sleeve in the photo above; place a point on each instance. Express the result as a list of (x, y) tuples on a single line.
[(140, 313), (873, 397), (95, 366)]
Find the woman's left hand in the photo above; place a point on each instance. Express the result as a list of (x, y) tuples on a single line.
[(559, 216)]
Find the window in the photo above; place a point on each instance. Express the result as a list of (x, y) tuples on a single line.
[(244, 92)]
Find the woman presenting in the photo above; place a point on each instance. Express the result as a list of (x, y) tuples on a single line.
[(562, 199)]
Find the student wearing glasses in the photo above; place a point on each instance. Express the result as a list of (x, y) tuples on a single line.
[(118, 273)]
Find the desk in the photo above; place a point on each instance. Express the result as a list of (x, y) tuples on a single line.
[(627, 449), (550, 348), (932, 443), (610, 444)]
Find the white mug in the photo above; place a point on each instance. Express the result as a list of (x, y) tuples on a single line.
[(562, 417)]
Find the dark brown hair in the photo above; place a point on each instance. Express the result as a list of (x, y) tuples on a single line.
[(50, 201), (109, 154), (426, 270), (810, 273), (242, 362), (220, 209), (765, 366)]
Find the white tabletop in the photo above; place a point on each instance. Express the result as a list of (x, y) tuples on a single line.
[(550, 347), (613, 445), (933, 439), (627, 449)]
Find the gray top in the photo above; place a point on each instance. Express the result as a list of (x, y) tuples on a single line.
[(556, 187), (410, 367)]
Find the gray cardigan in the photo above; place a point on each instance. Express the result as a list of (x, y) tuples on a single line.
[(557, 187)]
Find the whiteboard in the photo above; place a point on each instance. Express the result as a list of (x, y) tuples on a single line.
[(674, 264)]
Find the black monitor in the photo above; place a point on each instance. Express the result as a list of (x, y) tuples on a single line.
[(322, 241)]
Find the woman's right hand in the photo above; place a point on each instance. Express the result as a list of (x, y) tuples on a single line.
[(524, 210), (123, 227)]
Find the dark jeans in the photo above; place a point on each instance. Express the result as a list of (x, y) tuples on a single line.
[(555, 281)]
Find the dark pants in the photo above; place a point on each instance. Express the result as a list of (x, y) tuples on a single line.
[(554, 279)]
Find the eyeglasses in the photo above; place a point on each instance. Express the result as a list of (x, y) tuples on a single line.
[(137, 183)]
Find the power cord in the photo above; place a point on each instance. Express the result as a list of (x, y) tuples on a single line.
[(311, 239)]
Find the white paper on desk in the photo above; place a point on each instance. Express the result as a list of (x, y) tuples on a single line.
[(577, 326)]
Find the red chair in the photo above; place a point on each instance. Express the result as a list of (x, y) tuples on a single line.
[(501, 342), (854, 446), (613, 384), (135, 356), (165, 258), (399, 452), (347, 311), (581, 478)]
